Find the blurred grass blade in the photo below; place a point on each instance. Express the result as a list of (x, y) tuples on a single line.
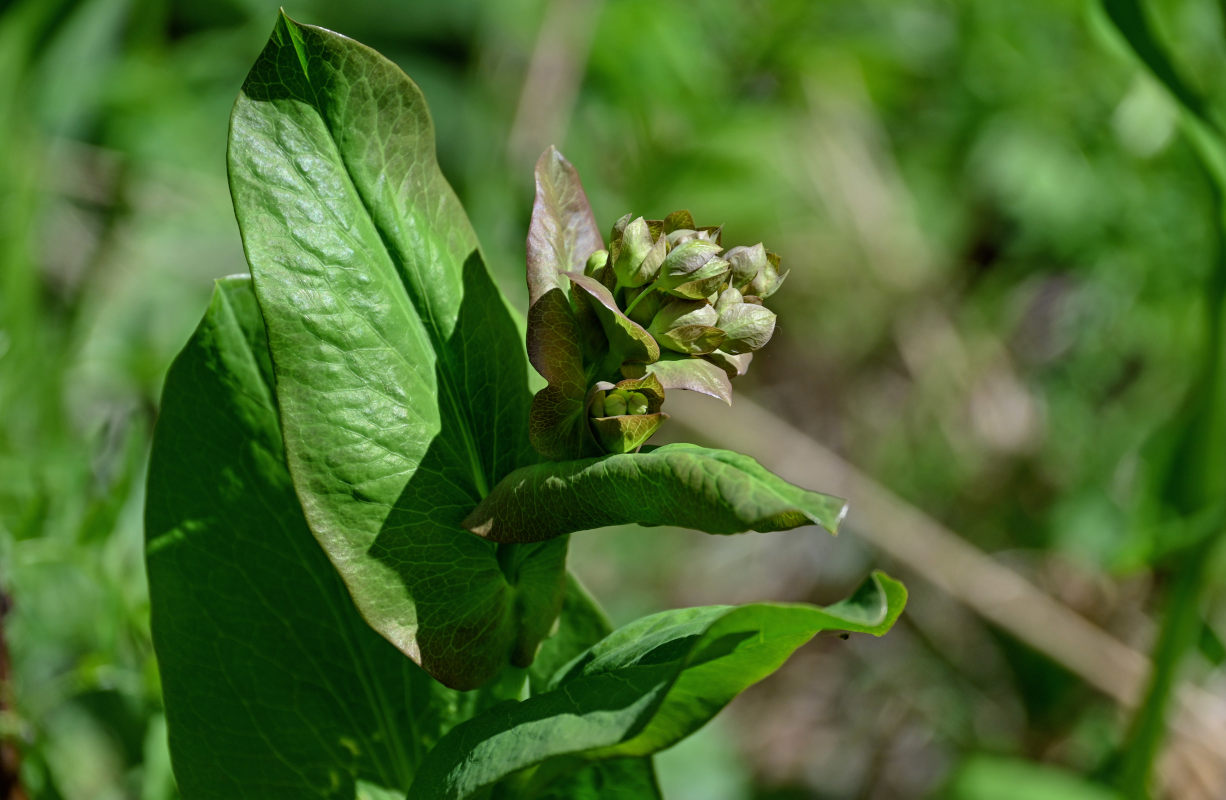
[(995, 778), (1130, 19), (1185, 502), (1204, 132)]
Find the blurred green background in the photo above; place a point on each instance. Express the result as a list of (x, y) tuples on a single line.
[(998, 241)]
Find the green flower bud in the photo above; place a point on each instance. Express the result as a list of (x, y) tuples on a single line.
[(638, 253), (768, 280), (687, 326), (676, 313), (747, 327), (681, 264), (692, 270), (728, 297), (596, 262), (704, 282), (614, 404), (746, 263), (681, 236), (630, 412)]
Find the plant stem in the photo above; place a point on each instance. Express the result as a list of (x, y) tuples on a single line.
[(1181, 622), (1180, 628), (638, 299)]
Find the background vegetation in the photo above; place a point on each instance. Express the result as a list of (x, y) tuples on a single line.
[(999, 243)]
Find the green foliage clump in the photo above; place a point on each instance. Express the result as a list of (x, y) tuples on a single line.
[(356, 559)]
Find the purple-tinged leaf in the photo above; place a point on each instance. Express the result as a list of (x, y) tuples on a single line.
[(563, 232), (682, 372), (627, 339)]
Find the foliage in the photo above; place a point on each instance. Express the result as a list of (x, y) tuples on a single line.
[(998, 244), (364, 390)]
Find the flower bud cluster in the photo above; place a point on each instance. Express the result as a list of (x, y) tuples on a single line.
[(665, 306), (692, 296)]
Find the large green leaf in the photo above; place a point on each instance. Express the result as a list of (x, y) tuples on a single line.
[(274, 685), (401, 376), (641, 689), (716, 491)]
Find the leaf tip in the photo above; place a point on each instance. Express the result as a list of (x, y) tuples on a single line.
[(839, 517), (551, 156), (478, 524)]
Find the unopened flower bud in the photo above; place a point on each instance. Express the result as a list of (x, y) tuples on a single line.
[(614, 404), (727, 298), (596, 262), (704, 282), (747, 327), (768, 280), (687, 326), (692, 269), (746, 263), (682, 236), (623, 416), (596, 407)]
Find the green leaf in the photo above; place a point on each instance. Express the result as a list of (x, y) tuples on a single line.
[(641, 689), (557, 420), (615, 779), (733, 366), (275, 687), (581, 625), (716, 491), (400, 373)]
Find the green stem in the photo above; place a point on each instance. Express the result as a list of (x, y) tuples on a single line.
[(639, 299), (1182, 621), (1179, 634)]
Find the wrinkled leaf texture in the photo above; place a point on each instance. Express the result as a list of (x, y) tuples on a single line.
[(400, 374), (716, 491)]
